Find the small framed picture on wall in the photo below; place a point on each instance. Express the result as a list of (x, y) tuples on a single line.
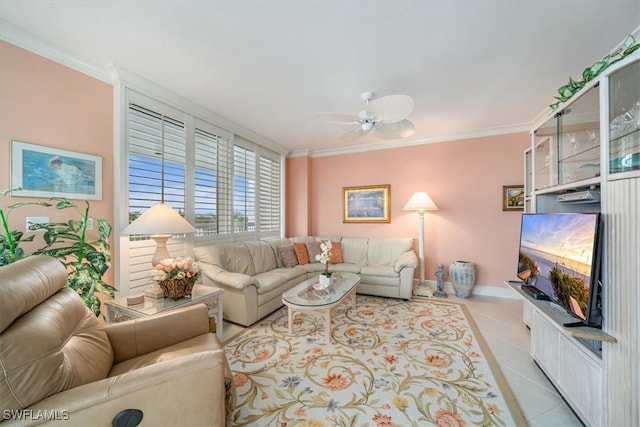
[(513, 197)]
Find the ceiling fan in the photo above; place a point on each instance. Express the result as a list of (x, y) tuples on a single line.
[(385, 116)]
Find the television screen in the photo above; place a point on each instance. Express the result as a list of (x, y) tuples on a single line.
[(559, 256)]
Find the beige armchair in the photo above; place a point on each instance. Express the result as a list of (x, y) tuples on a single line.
[(60, 365)]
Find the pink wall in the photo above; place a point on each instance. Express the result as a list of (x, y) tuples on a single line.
[(464, 178), (42, 102), (45, 103)]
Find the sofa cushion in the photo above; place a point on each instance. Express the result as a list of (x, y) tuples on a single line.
[(270, 280), (262, 255), (231, 257), (354, 249), (301, 253), (387, 251), (336, 253), (378, 270), (313, 249), (288, 255), (274, 245)]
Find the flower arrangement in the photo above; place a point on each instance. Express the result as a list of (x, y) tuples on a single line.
[(325, 256), (178, 268)]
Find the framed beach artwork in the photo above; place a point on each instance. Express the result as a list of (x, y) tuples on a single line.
[(512, 197), (50, 172), (366, 204)]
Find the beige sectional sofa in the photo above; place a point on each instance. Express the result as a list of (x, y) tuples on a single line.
[(254, 275)]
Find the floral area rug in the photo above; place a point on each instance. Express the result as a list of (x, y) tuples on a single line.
[(390, 363)]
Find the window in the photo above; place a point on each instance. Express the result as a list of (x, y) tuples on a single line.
[(225, 185), (244, 189), (269, 194), (156, 161), (211, 192)]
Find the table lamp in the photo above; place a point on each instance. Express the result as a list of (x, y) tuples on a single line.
[(420, 202), (160, 222)]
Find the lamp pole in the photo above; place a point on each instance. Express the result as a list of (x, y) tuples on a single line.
[(421, 245)]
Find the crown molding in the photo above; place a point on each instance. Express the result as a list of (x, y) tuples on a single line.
[(21, 38), (401, 143)]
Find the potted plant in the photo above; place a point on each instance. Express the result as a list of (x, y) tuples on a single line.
[(324, 257), (86, 256), (10, 250)]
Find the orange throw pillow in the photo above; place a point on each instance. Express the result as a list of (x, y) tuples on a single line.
[(336, 253), (301, 253)]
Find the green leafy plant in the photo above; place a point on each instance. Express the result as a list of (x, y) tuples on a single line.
[(10, 250), (86, 256)]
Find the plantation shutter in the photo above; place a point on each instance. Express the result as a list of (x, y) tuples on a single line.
[(156, 161), (244, 189), (269, 195), (212, 183)]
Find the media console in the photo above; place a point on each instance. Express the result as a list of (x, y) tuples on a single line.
[(572, 366)]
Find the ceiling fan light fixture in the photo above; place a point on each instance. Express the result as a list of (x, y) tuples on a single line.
[(367, 126)]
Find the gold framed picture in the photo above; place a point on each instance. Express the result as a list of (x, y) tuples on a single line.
[(366, 204), (513, 197)]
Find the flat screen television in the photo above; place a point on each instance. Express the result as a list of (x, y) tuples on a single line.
[(559, 259)]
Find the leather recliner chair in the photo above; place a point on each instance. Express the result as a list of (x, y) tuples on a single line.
[(60, 365)]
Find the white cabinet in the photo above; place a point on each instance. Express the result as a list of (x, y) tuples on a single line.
[(572, 368), (586, 158)]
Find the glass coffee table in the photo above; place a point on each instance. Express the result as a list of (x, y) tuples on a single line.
[(307, 297)]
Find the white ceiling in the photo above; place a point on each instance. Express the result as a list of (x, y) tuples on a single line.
[(473, 67)]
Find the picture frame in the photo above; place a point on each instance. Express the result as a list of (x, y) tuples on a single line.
[(50, 172), (366, 204), (513, 197)]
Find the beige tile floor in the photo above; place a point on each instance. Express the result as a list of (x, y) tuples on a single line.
[(500, 321)]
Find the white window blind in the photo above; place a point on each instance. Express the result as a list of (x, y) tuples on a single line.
[(269, 195), (244, 189), (212, 184), (156, 161)]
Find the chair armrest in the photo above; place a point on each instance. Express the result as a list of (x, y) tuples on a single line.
[(141, 336), (407, 259), (184, 391)]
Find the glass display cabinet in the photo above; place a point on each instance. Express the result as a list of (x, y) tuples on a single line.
[(544, 155), (579, 139), (624, 120)]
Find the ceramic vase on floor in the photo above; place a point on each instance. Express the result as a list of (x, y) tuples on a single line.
[(463, 277)]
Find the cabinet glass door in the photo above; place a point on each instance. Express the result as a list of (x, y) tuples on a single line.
[(579, 147), (545, 173), (624, 119), (528, 173)]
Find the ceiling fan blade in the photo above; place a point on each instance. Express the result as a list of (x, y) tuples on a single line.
[(390, 109), (352, 134), (345, 119), (396, 130)]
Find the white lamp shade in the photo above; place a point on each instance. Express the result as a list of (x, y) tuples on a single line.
[(159, 219), (420, 201)]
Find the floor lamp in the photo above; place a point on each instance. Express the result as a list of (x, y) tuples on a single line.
[(420, 202), (160, 222)]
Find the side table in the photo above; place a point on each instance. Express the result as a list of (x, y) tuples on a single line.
[(119, 311)]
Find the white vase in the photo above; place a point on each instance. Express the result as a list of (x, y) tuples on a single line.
[(463, 277), (324, 281)]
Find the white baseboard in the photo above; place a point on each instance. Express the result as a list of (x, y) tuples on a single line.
[(491, 291)]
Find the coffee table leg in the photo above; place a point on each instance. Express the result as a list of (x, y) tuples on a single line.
[(290, 315)]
